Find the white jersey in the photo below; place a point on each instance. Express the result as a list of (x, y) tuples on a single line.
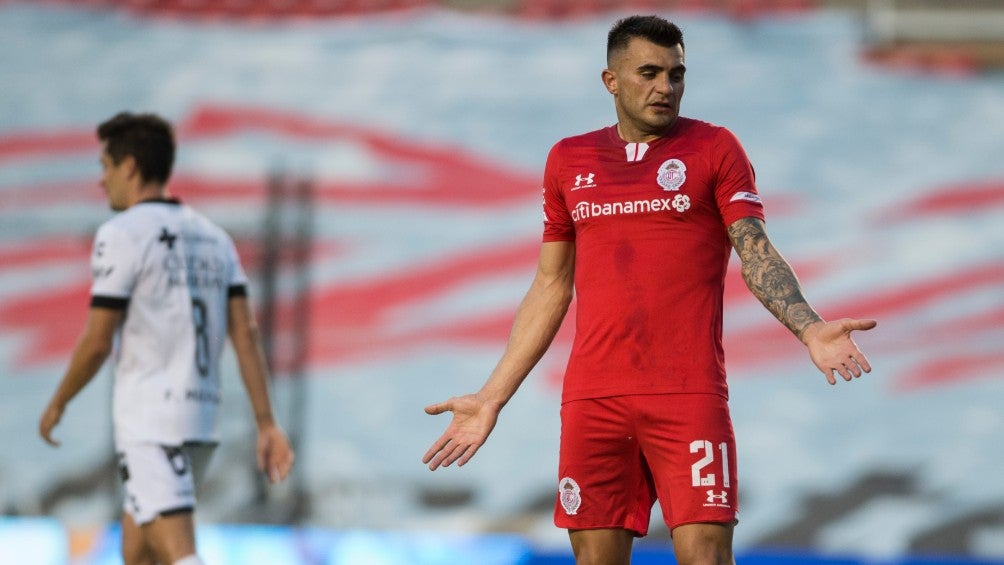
[(172, 271)]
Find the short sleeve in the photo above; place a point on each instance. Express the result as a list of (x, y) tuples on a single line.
[(237, 277), (558, 225), (735, 186), (115, 263), (237, 285)]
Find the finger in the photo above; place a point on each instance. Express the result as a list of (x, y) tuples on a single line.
[(284, 467), (862, 325), (45, 430), (454, 453), (862, 361), (272, 467), (275, 475), (262, 456), (280, 470), (468, 454), (852, 367), (435, 457), (275, 472), (437, 461), (49, 439), (845, 373), (438, 408), (433, 465), (436, 448), (829, 377)]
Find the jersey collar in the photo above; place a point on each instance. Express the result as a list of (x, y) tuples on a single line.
[(168, 200)]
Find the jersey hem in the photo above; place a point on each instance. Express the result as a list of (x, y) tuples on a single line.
[(169, 442), (634, 531), (733, 522), (178, 510), (650, 392)]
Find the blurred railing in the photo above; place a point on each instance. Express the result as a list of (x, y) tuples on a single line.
[(961, 36), (270, 9)]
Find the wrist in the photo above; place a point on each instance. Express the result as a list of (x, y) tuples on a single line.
[(264, 420), (490, 399), (809, 331), (58, 404)]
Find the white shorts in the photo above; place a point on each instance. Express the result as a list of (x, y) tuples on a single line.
[(161, 479)]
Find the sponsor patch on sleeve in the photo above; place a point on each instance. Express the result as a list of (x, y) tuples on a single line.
[(747, 196)]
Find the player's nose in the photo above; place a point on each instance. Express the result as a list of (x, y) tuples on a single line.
[(665, 85)]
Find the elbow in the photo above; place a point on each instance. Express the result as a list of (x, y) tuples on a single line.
[(566, 298), (96, 352), (103, 352), (562, 299), (244, 333)]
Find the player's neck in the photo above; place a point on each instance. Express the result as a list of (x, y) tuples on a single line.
[(150, 191), (636, 136)]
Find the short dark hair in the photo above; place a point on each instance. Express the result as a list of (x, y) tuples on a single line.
[(148, 138), (653, 28)]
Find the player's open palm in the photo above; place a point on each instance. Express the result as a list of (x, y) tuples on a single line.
[(832, 349), (473, 420)]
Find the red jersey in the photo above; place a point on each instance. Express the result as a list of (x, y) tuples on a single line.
[(649, 223)]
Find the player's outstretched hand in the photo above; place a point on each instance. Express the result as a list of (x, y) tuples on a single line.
[(274, 454), (50, 417), (473, 420), (832, 349)]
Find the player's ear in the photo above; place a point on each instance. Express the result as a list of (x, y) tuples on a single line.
[(609, 81), (129, 162)]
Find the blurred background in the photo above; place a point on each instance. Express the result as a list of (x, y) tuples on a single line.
[(379, 163)]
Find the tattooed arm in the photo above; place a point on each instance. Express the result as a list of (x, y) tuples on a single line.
[(771, 279)]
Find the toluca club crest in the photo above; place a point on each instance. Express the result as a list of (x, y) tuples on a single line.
[(672, 174), (568, 494)]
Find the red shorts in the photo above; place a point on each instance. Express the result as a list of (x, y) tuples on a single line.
[(621, 454)]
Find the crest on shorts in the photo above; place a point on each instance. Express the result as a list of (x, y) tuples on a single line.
[(672, 174), (568, 494)]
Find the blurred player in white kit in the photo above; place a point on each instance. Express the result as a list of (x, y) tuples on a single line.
[(168, 288)]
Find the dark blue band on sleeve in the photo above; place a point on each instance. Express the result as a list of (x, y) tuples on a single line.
[(112, 302)]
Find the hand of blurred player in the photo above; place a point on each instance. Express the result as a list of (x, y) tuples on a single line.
[(274, 454), (50, 417), (473, 420), (832, 349)]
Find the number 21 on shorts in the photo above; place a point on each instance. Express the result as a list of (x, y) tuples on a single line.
[(697, 475)]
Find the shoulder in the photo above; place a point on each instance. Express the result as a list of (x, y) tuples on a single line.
[(116, 241), (137, 218), (717, 140), (193, 215), (585, 144), (207, 230), (589, 139), (120, 226), (204, 223), (702, 129)]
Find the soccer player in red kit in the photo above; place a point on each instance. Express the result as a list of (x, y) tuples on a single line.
[(640, 220)]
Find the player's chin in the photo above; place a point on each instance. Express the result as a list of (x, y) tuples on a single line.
[(662, 116)]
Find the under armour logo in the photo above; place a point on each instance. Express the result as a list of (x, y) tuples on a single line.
[(722, 498), (588, 179), (167, 238)]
